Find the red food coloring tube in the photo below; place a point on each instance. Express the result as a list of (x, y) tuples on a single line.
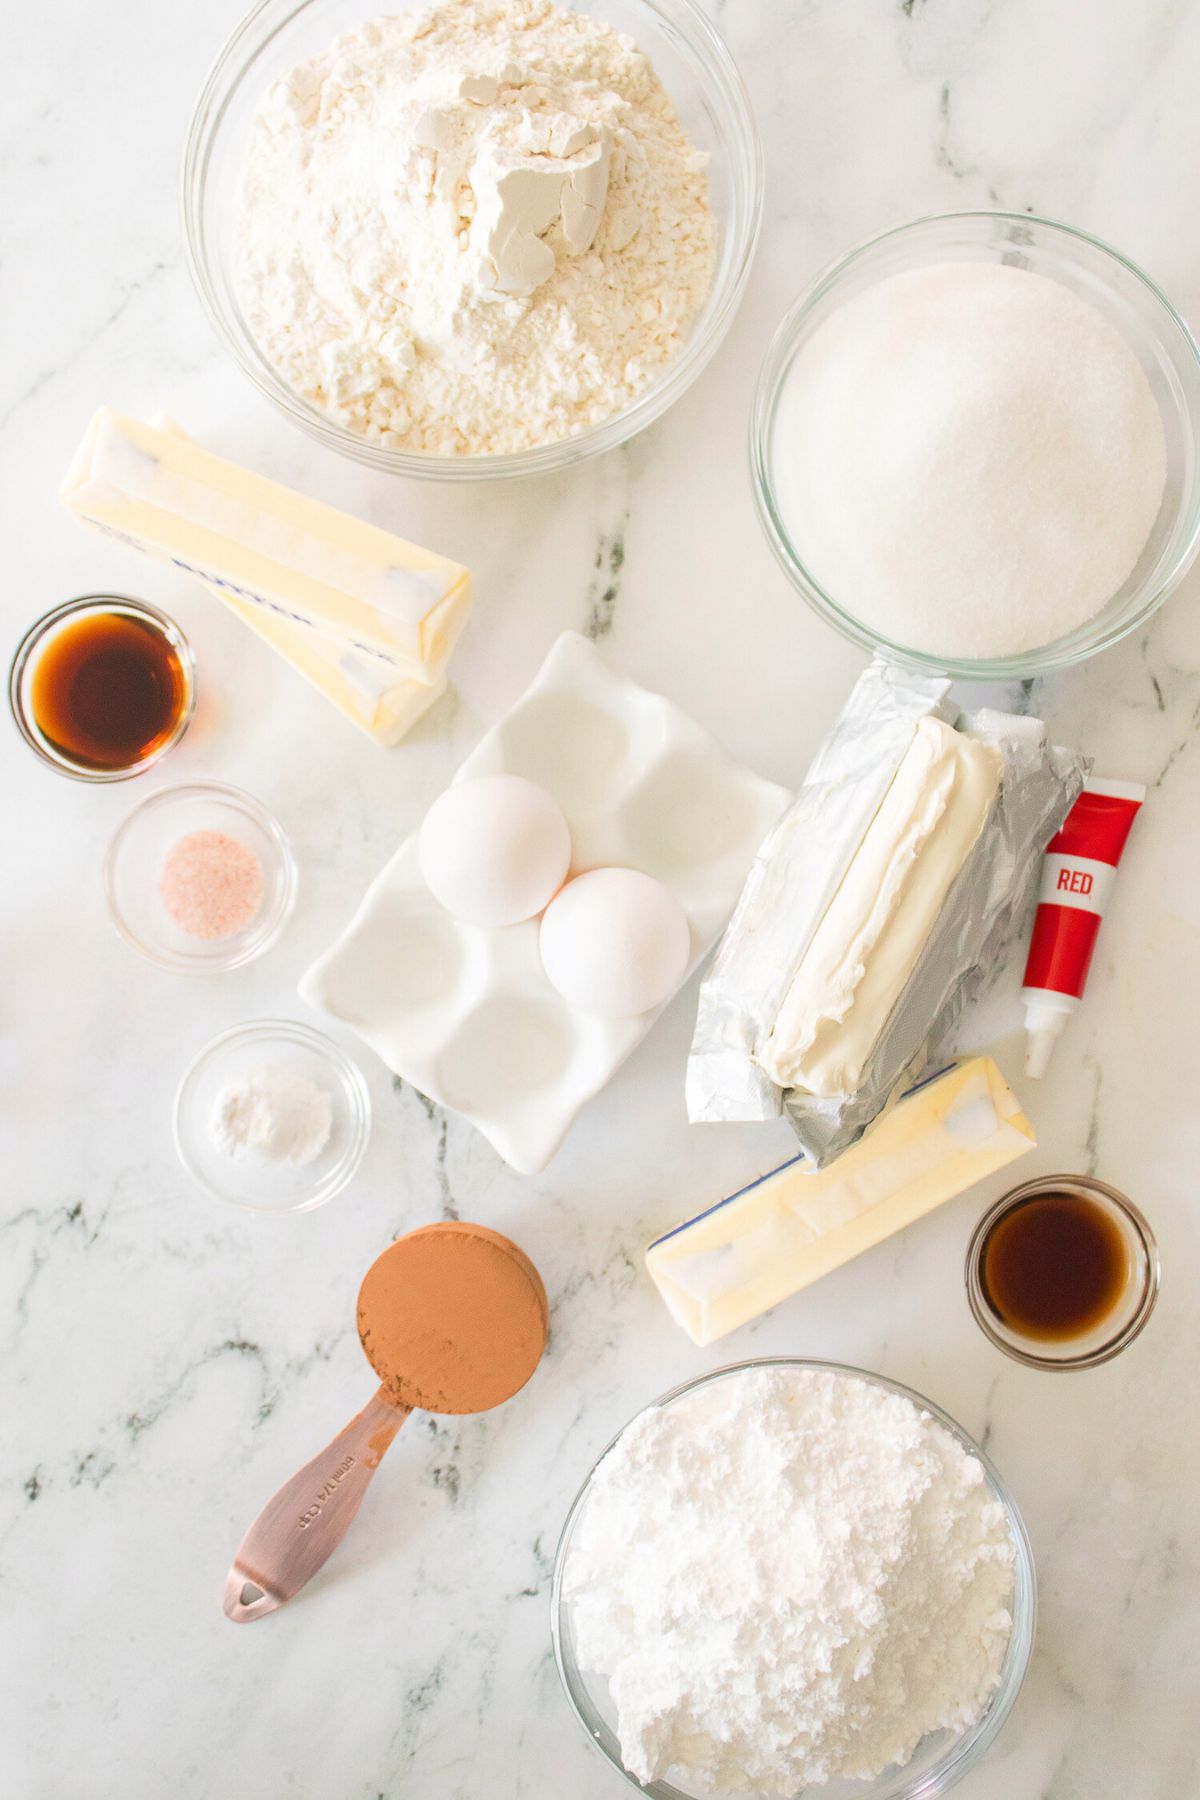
[(1077, 875)]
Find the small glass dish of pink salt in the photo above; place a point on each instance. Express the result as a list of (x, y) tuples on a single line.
[(200, 878)]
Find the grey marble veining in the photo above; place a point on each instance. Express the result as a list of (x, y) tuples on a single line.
[(168, 1362)]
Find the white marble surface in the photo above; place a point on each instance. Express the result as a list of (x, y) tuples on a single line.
[(168, 1362)]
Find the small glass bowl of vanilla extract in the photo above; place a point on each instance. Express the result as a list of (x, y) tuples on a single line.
[(102, 687), (1063, 1272)]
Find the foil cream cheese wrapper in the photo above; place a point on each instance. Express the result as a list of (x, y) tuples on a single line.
[(798, 870)]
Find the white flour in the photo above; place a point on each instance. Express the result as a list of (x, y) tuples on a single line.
[(969, 458), (787, 1578), (474, 229), (273, 1113)]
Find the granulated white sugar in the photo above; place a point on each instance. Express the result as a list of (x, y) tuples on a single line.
[(969, 459)]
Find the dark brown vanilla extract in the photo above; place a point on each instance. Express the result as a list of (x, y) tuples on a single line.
[(107, 690), (1054, 1267)]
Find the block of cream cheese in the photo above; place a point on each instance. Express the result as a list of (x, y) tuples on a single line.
[(269, 546), (867, 944), (763, 1244)]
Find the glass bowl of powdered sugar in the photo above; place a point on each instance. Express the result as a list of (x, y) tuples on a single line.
[(975, 445), (472, 238), (793, 1578)]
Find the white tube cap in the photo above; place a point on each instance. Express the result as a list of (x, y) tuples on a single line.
[(1039, 1046), (1044, 1020)]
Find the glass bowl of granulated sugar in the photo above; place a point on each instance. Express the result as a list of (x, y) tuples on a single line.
[(975, 445), (472, 238), (793, 1578)]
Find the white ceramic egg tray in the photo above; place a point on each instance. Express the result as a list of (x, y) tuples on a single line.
[(465, 1013)]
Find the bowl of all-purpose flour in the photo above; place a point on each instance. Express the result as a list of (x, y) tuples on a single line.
[(976, 445), (793, 1578), (472, 237)]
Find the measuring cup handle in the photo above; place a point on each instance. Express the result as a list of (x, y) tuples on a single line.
[(302, 1525)]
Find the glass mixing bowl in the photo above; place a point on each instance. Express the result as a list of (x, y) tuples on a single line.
[(698, 74), (942, 1758), (1129, 300)]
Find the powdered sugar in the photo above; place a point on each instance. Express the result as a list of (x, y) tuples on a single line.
[(969, 458), (787, 1577), (474, 229)]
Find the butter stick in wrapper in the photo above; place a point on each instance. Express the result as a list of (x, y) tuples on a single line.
[(269, 546), (365, 689), (747, 1253), (369, 692)]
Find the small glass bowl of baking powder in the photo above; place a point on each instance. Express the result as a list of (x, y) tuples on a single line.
[(701, 80), (1138, 310), (248, 1060), (942, 1758), (200, 878)]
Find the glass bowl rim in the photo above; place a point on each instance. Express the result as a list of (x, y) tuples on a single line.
[(1122, 1338), (744, 145), (1020, 665), (100, 602), (963, 1751), (261, 815), (351, 1081)]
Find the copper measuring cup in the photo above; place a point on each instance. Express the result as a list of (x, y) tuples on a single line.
[(453, 1319)]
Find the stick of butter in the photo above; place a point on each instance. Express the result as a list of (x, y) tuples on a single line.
[(364, 688), (268, 546), (766, 1242)]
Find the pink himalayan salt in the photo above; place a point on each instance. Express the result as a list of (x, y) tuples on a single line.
[(211, 884)]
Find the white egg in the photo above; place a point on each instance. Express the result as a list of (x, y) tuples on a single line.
[(614, 942), (494, 851)]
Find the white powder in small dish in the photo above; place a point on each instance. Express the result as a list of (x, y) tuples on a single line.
[(787, 1577), (273, 1113), (968, 458)]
